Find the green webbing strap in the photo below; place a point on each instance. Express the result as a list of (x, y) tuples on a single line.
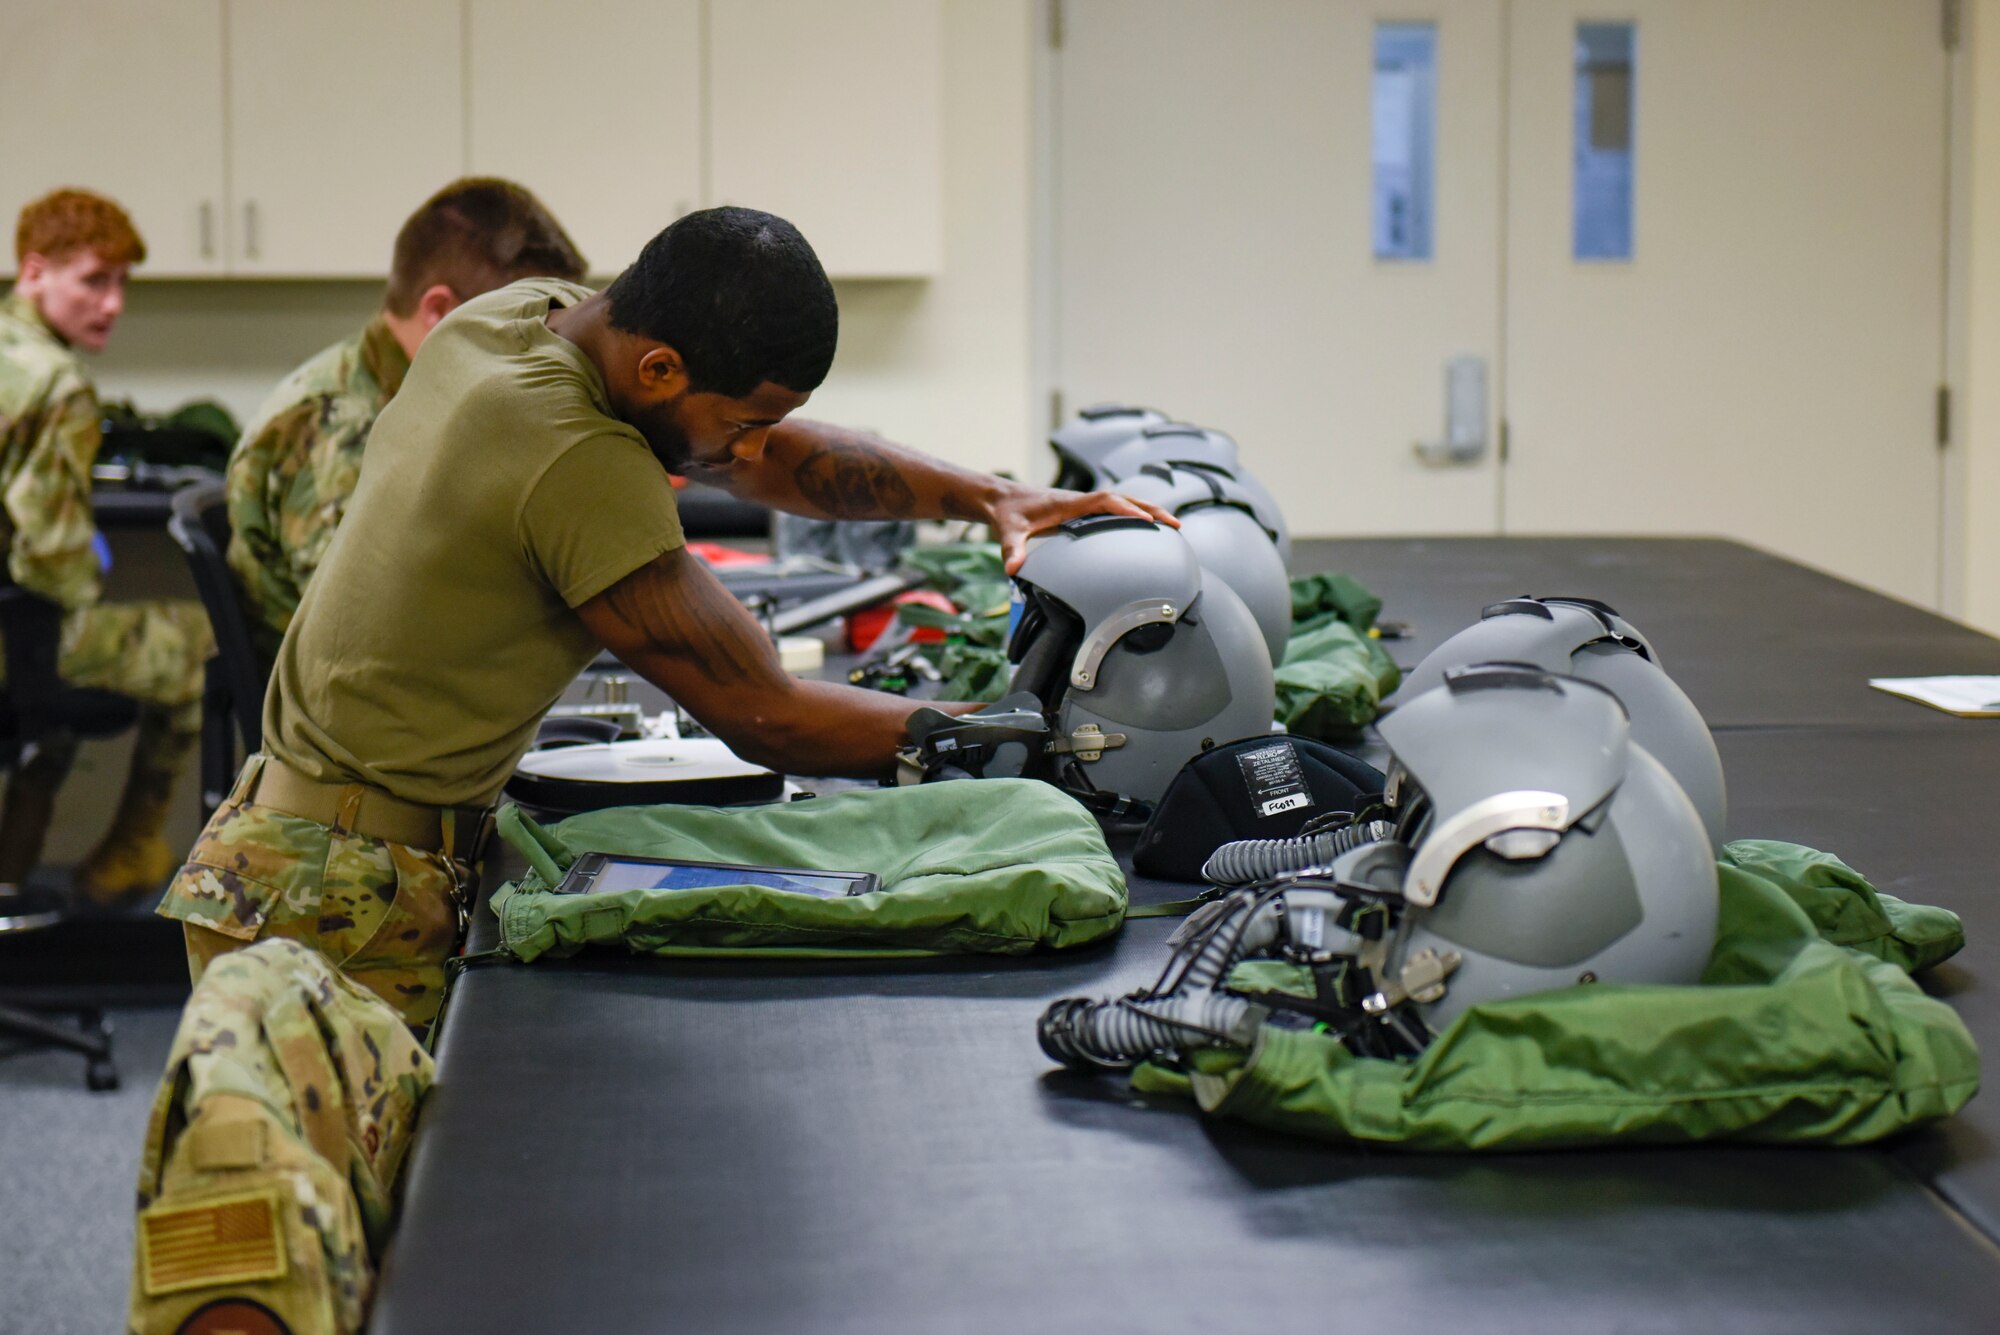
[(532, 842), (1174, 908)]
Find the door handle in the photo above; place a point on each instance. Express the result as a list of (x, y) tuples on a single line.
[(251, 246), (208, 229), (1464, 416)]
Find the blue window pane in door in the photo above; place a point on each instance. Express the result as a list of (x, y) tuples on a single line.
[(1605, 63), (1405, 114)]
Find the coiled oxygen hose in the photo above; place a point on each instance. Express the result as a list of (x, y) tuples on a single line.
[(1248, 860), (1115, 1035)]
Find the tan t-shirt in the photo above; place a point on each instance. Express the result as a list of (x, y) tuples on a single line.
[(497, 494)]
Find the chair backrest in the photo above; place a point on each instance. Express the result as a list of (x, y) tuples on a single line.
[(35, 700), (32, 630), (200, 524)]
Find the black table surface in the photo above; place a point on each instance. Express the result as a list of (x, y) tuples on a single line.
[(1754, 640), (634, 1145)]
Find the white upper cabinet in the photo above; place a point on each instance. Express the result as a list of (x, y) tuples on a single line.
[(123, 97), (831, 114), (342, 119), (273, 138), (613, 144)]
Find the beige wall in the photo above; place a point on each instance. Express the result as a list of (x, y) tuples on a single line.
[(940, 363), (1979, 297), (944, 364)]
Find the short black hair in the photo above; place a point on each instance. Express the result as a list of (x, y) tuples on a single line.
[(739, 294)]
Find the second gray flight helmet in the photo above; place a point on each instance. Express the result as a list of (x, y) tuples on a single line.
[(1584, 638), (1186, 446), (1219, 520), (1082, 442)]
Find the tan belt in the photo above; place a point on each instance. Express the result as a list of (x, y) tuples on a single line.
[(362, 809)]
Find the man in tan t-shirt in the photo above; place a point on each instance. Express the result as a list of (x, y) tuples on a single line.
[(516, 515)]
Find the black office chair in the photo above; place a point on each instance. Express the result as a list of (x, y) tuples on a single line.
[(237, 675), (35, 708)]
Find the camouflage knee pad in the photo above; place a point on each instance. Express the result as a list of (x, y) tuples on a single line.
[(276, 1138)]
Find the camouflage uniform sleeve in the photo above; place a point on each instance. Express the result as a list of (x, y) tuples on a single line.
[(262, 472), (315, 512), (48, 501)]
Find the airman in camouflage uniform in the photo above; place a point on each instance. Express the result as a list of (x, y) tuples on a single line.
[(276, 1138), (387, 914), (297, 464), (151, 651)]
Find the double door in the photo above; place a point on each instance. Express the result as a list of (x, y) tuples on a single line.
[(1505, 267)]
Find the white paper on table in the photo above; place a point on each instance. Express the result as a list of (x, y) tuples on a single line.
[(1968, 697)]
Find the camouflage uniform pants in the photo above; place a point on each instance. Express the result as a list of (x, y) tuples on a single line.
[(385, 914), (153, 652)]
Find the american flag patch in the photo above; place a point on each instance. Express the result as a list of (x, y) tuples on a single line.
[(227, 1240)]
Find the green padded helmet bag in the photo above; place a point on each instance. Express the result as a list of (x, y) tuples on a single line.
[(994, 866), (1806, 1028)]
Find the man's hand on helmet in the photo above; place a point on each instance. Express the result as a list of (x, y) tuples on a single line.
[(1020, 512)]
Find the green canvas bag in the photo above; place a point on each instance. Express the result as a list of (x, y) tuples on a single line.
[(1806, 1027), (1334, 674), (1001, 866)]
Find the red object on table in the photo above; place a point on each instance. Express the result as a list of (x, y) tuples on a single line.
[(718, 555), (866, 626)]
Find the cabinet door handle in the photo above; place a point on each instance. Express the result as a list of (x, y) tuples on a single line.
[(251, 249), (208, 229)]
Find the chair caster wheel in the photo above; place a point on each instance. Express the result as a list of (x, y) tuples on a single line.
[(101, 1077)]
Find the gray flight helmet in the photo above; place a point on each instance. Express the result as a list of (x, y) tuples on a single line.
[(1538, 846), (1082, 442), (1219, 519), (1187, 446), (1585, 638), (1130, 643)]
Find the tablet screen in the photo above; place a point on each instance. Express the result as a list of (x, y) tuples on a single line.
[(613, 875)]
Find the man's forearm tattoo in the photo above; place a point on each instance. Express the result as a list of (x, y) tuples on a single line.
[(849, 480), (954, 505)]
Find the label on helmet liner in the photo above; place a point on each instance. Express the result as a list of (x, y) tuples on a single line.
[(1274, 779)]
